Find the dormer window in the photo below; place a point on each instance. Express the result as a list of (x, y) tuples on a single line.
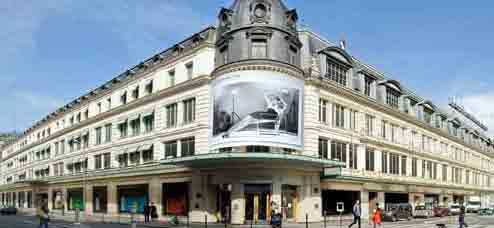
[(368, 81), (392, 97), (336, 72), (428, 115)]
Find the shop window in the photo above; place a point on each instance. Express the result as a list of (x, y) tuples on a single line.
[(57, 200), (132, 197), (175, 199), (75, 199), (100, 199)]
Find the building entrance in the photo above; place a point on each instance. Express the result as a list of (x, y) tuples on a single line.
[(257, 198)]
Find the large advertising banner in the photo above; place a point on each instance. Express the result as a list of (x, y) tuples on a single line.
[(257, 108)]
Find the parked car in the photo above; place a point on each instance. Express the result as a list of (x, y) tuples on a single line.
[(486, 211), (395, 212), (441, 211), (8, 211), (454, 209), (422, 212)]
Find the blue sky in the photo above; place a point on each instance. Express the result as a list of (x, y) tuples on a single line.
[(52, 51)]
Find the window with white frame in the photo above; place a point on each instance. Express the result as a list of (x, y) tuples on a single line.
[(171, 115), (392, 97), (171, 149), (338, 116), (189, 110), (323, 148), (187, 147), (336, 72), (323, 110)]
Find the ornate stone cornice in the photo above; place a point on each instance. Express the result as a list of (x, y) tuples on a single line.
[(261, 65)]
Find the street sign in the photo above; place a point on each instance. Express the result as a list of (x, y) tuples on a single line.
[(340, 207)]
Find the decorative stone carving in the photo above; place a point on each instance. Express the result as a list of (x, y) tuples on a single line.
[(260, 11)]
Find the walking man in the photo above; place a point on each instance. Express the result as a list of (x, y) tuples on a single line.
[(147, 212), (461, 218), (356, 214)]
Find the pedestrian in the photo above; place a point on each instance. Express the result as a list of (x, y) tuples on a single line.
[(356, 214), (154, 212), (43, 214), (376, 216), (147, 212), (461, 218)]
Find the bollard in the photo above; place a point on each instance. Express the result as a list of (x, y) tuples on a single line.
[(307, 220), (251, 221), (205, 221), (76, 219), (324, 216)]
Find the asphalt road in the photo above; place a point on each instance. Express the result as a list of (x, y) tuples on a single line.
[(473, 220)]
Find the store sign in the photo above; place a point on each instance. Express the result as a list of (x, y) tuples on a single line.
[(257, 108)]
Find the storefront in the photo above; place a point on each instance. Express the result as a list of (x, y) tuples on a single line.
[(257, 202), (223, 203), (175, 199), (75, 199), (57, 199), (331, 197), (100, 199), (289, 201), (132, 197), (431, 201)]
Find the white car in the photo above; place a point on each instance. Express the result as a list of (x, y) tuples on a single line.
[(454, 209), (422, 212)]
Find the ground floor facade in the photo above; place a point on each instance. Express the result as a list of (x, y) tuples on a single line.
[(226, 194)]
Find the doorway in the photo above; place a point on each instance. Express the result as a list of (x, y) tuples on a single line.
[(289, 200), (257, 206)]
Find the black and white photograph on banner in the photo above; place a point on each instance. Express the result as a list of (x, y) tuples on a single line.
[(248, 105)]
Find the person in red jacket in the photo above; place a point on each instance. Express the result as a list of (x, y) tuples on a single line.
[(376, 216)]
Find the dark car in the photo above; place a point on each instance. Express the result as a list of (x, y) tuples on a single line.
[(395, 212), (8, 211), (441, 211)]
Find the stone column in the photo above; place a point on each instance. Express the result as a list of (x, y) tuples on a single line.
[(88, 199), (50, 198), (25, 199), (112, 199), (238, 203), (155, 190), (364, 205), (361, 159)]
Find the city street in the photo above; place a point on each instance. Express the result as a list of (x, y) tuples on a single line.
[(30, 222)]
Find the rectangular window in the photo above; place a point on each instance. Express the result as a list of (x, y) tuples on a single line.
[(135, 93), (108, 102), (467, 177), (369, 125), (123, 160), (259, 49), (434, 171), (336, 72), (323, 110), (98, 135), (258, 149), (394, 163), (171, 78), (427, 115), (352, 156), (338, 151), (445, 173), (190, 70), (323, 148), (107, 162), (338, 116), (62, 147), (171, 115), (292, 55), (135, 125), (149, 87), (383, 129), (123, 98), (123, 129), (99, 107), (149, 123), (414, 167), (353, 119), (188, 147), (368, 81), (135, 158), (189, 110), (108, 132), (171, 149), (98, 164), (384, 162), (404, 165), (369, 159), (392, 97), (148, 155)]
